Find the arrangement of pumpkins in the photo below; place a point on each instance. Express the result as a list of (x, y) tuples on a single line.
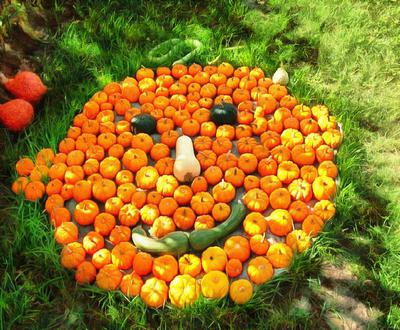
[(250, 185)]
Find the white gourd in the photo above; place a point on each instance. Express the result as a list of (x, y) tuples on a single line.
[(186, 166), (280, 77)]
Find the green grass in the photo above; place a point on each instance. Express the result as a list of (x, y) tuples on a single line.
[(340, 53)]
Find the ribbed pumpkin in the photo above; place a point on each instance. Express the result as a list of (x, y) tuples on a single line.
[(183, 290)]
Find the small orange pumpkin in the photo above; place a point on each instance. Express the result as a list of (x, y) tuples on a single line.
[(298, 241), (325, 209), (131, 285), (259, 245), (280, 222), (324, 187), (122, 255), (184, 218), (190, 264), (154, 292), (254, 223), (280, 255), (162, 226), (166, 185), (300, 189), (165, 268), (312, 225), (85, 273), (202, 203), (259, 270), (237, 247), (256, 200), (72, 255), (234, 267), (224, 192), (213, 258)]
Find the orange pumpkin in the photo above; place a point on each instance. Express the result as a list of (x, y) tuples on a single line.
[(234, 267), (237, 247), (184, 218), (226, 161), (85, 212), (291, 137), (224, 192), (324, 187), (299, 210), (325, 209), (131, 285), (213, 175), (183, 195), (298, 241), (328, 168), (280, 198), (303, 155), (267, 166), (166, 185), (109, 277), (235, 176), (34, 190), (104, 189), (134, 159), (101, 258), (280, 222), (261, 152), (254, 223), (324, 152), (154, 292), (66, 232), (312, 225), (148, 213), (221, 145), (259, 270), (287, 171), (190, 264), (256, 200), (92, 242), (199, 184), (206, 158), (85, 273), (146, 177), (162, 226), (270, 183), (259, 245), (202, 143), (204, 222), (308, 173), (122, 255), (202, 203), (248, 163), (165, 268), (280, 255), (129, 215), (221, 211), (251, 182), (213, 258), (72, 255)]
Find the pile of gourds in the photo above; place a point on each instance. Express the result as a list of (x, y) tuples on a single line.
[(250, 185)]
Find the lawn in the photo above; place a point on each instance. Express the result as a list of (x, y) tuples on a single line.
[(343, 54)]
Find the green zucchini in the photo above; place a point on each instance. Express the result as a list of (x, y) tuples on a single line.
[(202, 238), (175, 243)]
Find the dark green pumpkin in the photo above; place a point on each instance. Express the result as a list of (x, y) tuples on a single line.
[(143, 123), (224, 113)]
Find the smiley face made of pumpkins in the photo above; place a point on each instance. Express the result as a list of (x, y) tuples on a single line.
[(187, 181)]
